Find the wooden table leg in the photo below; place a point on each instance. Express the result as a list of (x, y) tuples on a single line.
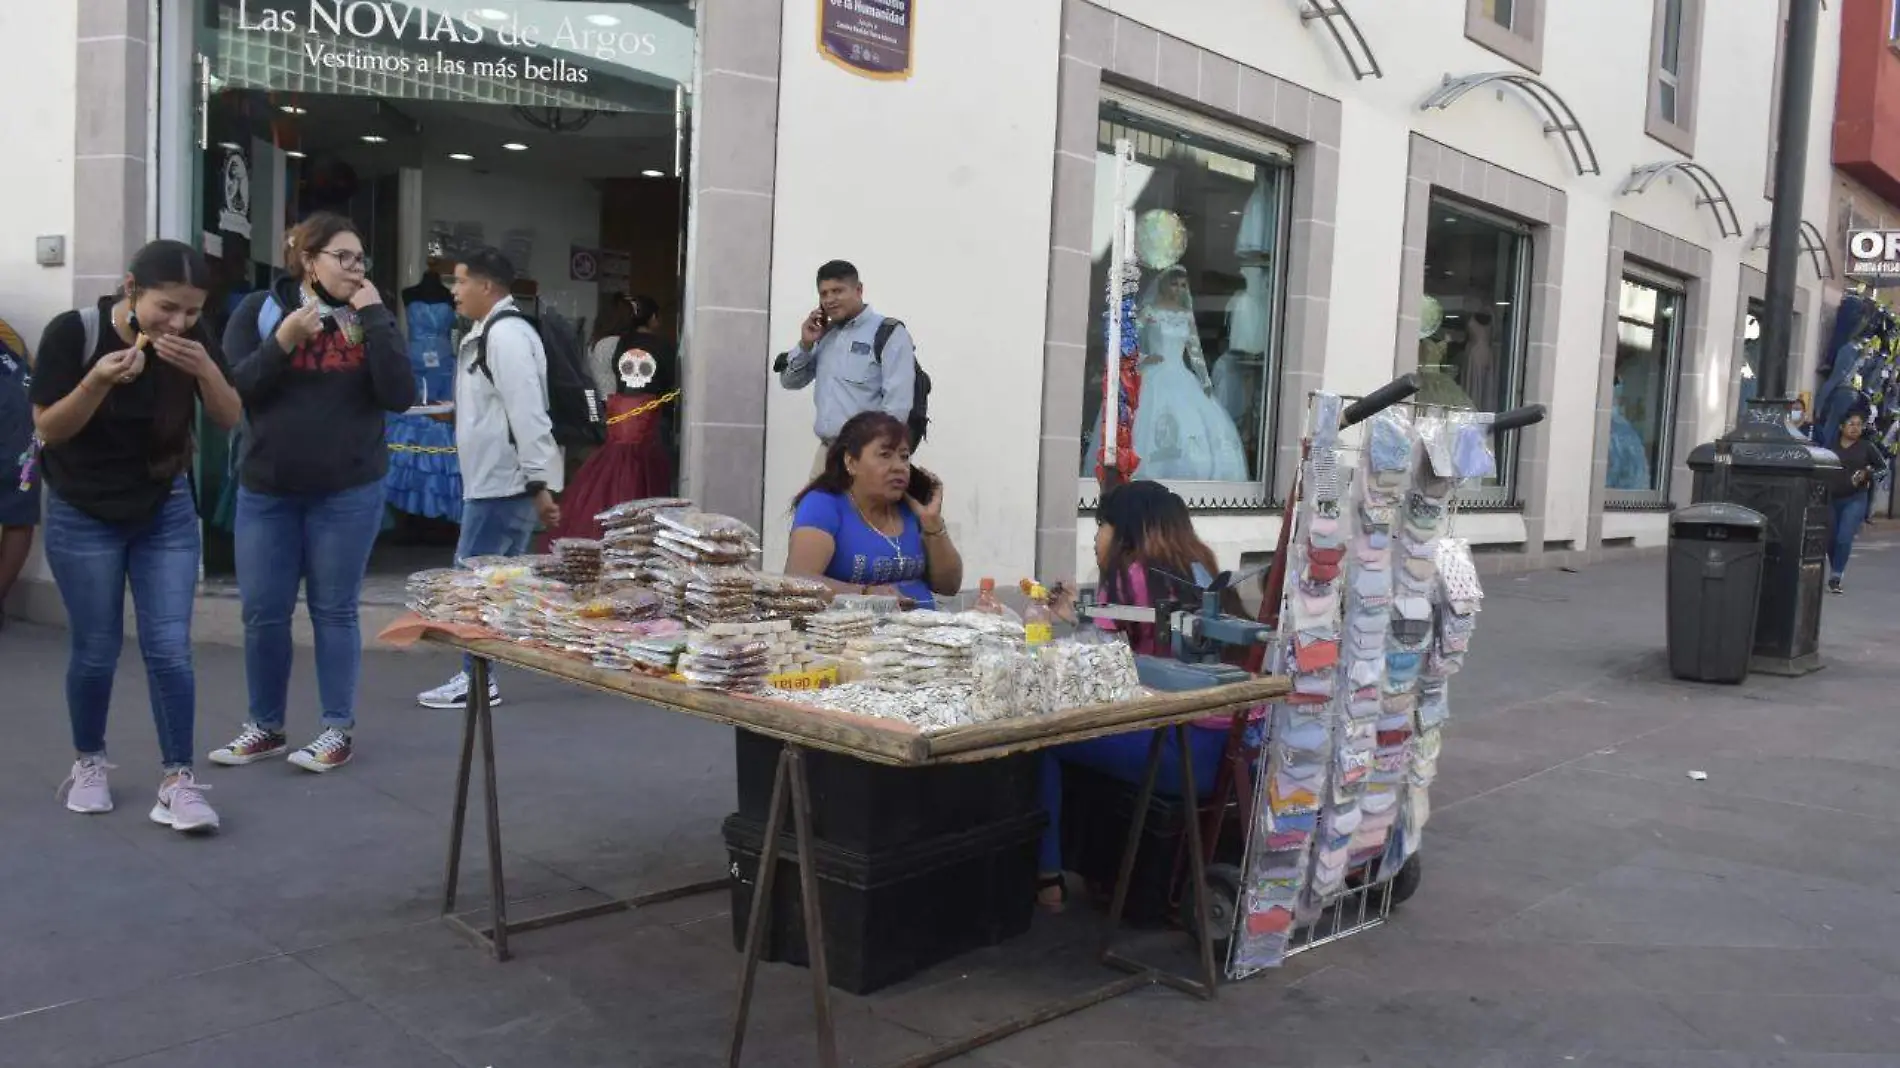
[(791, 781)]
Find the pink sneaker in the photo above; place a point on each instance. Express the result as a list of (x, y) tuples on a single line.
[(85, 789), (181, 805)]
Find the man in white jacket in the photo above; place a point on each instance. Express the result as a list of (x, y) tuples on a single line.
[(504, 440)]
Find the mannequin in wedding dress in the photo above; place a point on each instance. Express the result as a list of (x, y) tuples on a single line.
[(1180, 431)]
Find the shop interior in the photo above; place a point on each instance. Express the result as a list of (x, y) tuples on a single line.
[(587, 201)]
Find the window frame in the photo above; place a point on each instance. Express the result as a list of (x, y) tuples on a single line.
[(1676, 290), (1502, 497), (1522, 42), (1678, 133), (1262, 151)]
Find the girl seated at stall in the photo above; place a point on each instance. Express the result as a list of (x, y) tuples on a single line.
[(1146, 549)]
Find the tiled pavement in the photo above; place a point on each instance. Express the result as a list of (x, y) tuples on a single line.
[(1585, 902)]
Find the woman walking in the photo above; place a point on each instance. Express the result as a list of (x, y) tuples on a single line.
[(319, 361), (114, 394), (1860, 463)]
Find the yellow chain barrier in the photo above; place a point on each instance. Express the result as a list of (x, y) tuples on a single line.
[(650, 406), (612, 420)]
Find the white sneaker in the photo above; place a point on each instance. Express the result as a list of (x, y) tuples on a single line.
[(454, 693), (85, 790), (181, 805)]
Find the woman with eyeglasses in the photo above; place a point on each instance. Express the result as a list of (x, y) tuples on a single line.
[(319, 361)]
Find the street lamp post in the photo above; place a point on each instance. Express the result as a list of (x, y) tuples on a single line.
[(1763, 463), (1791, 165)]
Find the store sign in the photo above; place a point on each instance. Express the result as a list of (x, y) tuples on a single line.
[(558, 44), (872, 38), (1873, 253), (583, 264)]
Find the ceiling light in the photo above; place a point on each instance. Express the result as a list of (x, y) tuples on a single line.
[(374, 139), (489, 14), (293, 153), (514, 146), (603, 20), (652, 174), (460, 157), (292, 109), (230, 146)]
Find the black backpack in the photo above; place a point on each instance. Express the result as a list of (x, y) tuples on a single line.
[(920, 388), (573, 402)]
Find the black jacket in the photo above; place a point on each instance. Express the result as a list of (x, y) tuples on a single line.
[(313, 418)]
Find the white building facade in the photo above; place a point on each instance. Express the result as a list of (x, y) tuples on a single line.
[(1527, 201)]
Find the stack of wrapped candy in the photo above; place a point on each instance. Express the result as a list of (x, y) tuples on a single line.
[(445, 594), (669, 581), (717, 595), (738, 664), (788, 652), (577, 561), (628, 530), (656, 655), (645, 646), (789, 597), (687, 538), (829, 631)]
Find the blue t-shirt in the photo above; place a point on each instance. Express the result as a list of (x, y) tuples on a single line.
[(861, 555)]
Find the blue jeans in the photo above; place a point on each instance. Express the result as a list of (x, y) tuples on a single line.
[(1849, 514), (321, 543), (1125, 756), (92, 561), (498, 526)]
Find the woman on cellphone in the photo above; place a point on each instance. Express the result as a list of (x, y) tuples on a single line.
[(870, 523), (319, 361), (114, 394)]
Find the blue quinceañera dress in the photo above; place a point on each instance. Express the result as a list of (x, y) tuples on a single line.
[(423, 477)]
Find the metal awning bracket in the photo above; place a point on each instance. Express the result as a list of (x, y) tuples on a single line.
[(1713, 196), (1344, 30)]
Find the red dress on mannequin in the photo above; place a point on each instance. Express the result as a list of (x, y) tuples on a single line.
[(635, 462)]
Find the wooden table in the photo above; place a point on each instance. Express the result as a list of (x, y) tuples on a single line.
[(880, 741)]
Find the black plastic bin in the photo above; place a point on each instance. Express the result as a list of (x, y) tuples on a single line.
[(1096, 810), (1715, 572), (868, 808), (891, 915)]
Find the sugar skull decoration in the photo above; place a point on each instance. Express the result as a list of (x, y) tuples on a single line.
[(1161, 239), (637, 367)]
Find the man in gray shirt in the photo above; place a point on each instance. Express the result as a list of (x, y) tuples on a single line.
[(840, 349)]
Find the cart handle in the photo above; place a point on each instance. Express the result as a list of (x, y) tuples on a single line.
[(1380, 399), (1519, 418)]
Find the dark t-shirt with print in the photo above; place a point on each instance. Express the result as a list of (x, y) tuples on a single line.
[(111, 469)]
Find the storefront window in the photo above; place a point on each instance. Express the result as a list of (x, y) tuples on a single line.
[(556, 131), (1643, 401), (1210, 211), (1471, 338)]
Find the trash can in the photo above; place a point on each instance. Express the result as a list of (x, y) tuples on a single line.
[(1715, 569)]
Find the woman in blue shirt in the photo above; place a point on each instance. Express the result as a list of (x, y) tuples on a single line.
[(871, 523)]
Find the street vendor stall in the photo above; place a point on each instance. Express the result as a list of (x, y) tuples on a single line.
[(940, 736)]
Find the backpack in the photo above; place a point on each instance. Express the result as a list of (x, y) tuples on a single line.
[(573, 402), (920, 387)]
